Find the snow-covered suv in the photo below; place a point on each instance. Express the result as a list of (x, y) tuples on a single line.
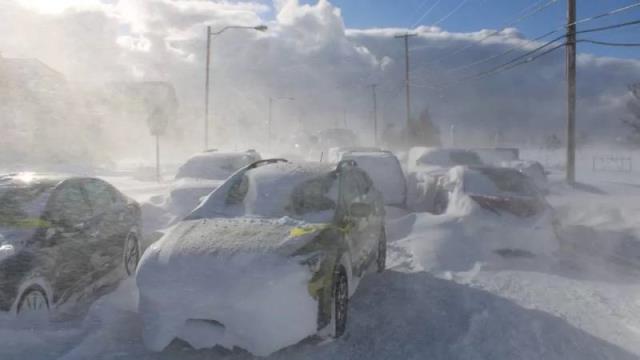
[(268, 259)]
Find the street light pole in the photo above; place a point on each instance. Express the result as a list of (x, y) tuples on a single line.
[(207, 71)]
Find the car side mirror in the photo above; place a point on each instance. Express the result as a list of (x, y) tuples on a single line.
[(361, 210)]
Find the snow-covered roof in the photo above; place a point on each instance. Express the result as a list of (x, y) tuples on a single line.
[(268, 192)]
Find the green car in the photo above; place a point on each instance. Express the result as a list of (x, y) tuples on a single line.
[(269, 258)]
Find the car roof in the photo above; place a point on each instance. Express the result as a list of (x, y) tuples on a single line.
[(26, 179), (221, 154), (289, 168)]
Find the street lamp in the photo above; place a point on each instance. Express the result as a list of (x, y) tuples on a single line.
[(206, 83), (271, 100)]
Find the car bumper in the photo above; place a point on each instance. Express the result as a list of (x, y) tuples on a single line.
[(256, 302)]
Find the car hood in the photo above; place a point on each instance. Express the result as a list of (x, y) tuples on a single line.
[(227, 236)]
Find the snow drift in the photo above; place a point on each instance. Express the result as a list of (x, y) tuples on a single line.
[(237, 288)]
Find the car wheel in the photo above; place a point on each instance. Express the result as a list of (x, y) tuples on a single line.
[(131, 253), (381, 260), (33, 302), (340, 302)]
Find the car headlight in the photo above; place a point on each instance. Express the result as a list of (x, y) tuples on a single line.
[(314, 261)]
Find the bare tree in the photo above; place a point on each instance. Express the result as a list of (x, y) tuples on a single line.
[(423, 132)]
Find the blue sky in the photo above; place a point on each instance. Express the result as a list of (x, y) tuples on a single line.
[(478, 14)]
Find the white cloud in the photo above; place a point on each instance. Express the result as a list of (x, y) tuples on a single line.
[(309, 54)]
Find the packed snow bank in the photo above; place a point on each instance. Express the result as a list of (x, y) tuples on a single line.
[(469, 235), (399, 315), (600, 219), (227, 282)]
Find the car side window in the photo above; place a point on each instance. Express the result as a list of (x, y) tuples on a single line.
[(364, 181), (101, 196), (312, 196), (351, 187), (70, 206), (238, 191)]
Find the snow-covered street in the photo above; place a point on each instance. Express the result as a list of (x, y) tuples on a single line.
[(579, 304)]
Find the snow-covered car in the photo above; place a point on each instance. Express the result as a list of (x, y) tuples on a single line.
[(482, 190), (326, 139), (63, 242), (532, 169), (268, 259), (335, 153), (203, 173), (386, 173), (495, 156), (425, 167)]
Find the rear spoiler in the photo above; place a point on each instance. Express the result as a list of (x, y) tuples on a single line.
[(259, 163)]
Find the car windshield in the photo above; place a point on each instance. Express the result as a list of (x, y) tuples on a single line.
[(468, 158), (448, 158), (22, 206), (498, 182), (213, 166), (304, 196)]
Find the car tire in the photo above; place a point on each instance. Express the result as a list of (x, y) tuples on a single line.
[(32, 300), (381, 259), (340, 302), (131, 255)]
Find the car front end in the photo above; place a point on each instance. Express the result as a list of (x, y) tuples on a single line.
[(253, 284)]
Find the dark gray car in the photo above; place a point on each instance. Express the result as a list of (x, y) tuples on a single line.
[(63, 242)]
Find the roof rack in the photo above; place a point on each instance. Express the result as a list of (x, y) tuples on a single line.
[(266, 162)]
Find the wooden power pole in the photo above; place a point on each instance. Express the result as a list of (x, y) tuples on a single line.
[(406, 79), (206, 91), (375, 114), (571, 91)]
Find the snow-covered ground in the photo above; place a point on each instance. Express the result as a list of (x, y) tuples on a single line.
[(439, 300)]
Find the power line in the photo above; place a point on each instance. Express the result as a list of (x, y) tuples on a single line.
[(609, 13), (511, 65), (525, 58), (455, 10), (523, 17), (610, 27), (606, 43), (426, 13), (549, 33)]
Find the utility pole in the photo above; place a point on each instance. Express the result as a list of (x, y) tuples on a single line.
[(344, 117), (406, 78), (571, 91), (158, 178), (206, 91), (269, 123), (375, 114)]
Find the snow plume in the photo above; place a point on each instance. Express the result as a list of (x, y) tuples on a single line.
[(307, 54)]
